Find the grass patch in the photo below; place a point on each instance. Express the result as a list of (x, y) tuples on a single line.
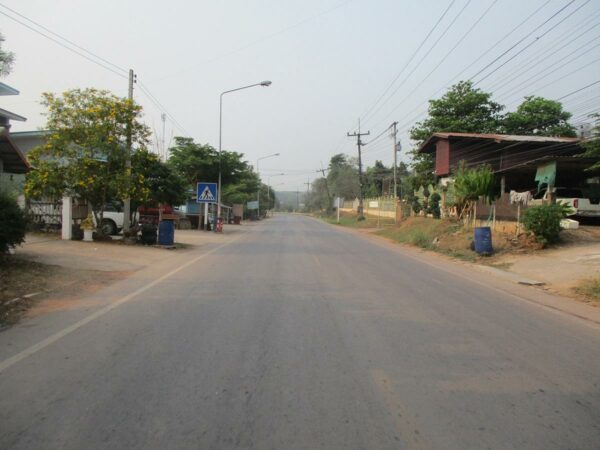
[(440, 235), (350, 220), (590, 289)]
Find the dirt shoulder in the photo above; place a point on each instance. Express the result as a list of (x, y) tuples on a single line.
[(47, 274), (570, 269)]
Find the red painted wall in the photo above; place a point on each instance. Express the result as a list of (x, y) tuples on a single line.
[(442, 157)]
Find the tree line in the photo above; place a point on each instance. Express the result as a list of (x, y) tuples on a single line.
[(462, 109)]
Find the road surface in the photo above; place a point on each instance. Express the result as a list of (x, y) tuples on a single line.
[(298, 335)]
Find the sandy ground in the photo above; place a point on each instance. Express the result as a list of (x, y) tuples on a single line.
[(563, 267), (47, 273)]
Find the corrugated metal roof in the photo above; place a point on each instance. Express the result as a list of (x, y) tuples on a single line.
[(11, 115), (12, 158), (426, 147), (5, 89), (508, 137)]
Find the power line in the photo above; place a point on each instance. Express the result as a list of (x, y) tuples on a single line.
[(462, 38), (552, 49), (531, 43), (258, 41), (579, 69), (56, 41), (89, 56), (424, 56), (502, 39), (161, 107), (546, 72), (578, 90), (364, 116), (522, 39), (534, 63)]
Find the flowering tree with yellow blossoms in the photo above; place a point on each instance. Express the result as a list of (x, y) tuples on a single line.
[(85, 151)]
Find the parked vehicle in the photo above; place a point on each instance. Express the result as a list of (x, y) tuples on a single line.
[(112, 220), (581, 205)]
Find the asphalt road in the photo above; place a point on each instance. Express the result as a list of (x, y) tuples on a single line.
[(300, 336)]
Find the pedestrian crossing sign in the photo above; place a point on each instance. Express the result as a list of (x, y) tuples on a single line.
[(206, 193)]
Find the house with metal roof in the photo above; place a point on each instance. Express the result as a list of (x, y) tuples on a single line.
[(12, 160), (515, 159)]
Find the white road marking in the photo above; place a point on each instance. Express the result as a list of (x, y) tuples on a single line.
[(66, 331)]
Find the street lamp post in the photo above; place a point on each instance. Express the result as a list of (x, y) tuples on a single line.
[(262, 83), (269, 187), (258, 191)]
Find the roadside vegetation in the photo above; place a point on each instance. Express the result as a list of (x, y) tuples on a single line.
[(589, 289)]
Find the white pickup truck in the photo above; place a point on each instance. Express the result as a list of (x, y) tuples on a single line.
[(581, 206), (112, 220)]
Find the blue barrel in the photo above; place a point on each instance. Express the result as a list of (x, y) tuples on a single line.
[(166, 232), (483, 241)]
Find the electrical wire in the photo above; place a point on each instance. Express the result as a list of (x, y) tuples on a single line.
[(533, 63), (364, 116), (535, 41), (544, 73), (521, 40), (424, 56), (257, 41), (487, 51), (579, 69), (161, 107), (56, 41), (442, 60), (102, 62), (578, 90)]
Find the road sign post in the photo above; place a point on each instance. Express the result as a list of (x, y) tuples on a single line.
[(206, 193)]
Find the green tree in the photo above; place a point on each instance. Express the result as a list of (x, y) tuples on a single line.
[(462, 109), (85, 154), (375, 177), (7, 59), (540, 117), (200, 162), (154, 182), (318, 198), (12, 223), (343, 177), (592, 145)]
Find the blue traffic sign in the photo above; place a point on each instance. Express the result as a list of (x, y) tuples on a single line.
[(206, 193)]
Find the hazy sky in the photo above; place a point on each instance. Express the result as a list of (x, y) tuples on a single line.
[(329, 61)]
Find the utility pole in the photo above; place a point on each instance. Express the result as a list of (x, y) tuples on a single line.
[(360, 177), (307, 192), (127, 201), (163, 117), (394, 134), (297, 199), (326, 186)]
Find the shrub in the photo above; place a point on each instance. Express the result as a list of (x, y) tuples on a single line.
[(544, 221), (434, 205), (420, 239), (12, 223)]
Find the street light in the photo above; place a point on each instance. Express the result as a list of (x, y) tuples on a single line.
[(258, 191), (269, 186), (262, 83)]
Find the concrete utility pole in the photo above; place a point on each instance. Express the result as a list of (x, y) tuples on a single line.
[(326, 186), (394, 134), (127, 201), (360, 177), (297, 199), (163, 117), (307, 192)]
